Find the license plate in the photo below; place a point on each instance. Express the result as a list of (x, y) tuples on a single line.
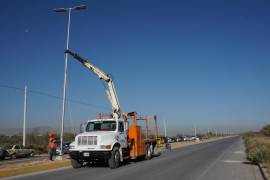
[(86, 154)]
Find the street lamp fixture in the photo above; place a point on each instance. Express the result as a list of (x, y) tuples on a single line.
[(60, 10), (81, 7), (78, 8)]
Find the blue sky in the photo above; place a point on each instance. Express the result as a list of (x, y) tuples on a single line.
[(203, 63)]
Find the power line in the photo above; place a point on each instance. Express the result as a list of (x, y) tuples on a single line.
[(55, 97), (12, 87)]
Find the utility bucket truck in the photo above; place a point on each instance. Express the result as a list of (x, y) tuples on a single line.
[(112, 138)]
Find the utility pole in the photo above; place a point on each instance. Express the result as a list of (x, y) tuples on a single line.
[(24, 113), (195, 131), (165, 130)]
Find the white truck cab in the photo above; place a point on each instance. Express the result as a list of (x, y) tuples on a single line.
[(101, 140)]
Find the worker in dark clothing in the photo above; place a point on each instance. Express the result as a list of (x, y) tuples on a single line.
[(52, 146)]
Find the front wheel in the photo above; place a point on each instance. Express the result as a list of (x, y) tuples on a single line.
[(75, 163), (31, 154), (114, 160)]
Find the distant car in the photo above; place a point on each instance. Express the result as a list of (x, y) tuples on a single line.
[(16, 151), (171, 140), (66, 146), (185, 138), (179, 139)]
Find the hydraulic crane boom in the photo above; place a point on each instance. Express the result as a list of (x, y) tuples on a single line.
[(111, 93)]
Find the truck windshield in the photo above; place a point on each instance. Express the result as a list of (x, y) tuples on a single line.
[(101, 126)]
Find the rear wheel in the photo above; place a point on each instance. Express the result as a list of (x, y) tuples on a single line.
[(148, 152), (75, 163), (114, 160), (31, 154), (3, 154), (13, 156)]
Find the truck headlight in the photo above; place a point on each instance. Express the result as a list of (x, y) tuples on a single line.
[(105, 146)]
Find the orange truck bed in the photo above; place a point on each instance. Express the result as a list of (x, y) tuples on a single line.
[(135, 136)]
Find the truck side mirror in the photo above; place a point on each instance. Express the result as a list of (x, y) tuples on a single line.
[(82, 128)]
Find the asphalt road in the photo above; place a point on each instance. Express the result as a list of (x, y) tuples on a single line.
[(219, 160)]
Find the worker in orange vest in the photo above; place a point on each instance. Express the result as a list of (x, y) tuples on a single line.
[(52, 146)]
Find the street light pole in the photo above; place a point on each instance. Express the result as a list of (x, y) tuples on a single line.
[(81, 7), (24, 114), (165, 128), (195, 131), (65, 85)]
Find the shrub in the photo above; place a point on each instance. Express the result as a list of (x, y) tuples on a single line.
[(257, 148), (39, 149), (38, 142)]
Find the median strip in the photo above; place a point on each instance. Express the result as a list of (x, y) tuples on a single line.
[(188, 143), (44, 165)]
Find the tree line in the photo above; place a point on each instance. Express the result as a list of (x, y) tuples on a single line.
[(39, 142)]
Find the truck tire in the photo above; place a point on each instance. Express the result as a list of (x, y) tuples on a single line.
[(148, 152), (75, 163), (2, 156), (114, 160), (31, 154), (13, 156)]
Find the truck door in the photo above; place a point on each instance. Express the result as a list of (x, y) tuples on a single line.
[(122, 135)]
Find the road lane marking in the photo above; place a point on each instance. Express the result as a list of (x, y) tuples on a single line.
[(239, 152), (216, 161), (231, 161)]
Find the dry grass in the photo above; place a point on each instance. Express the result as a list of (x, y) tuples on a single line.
[(32, 167), (258, 148)]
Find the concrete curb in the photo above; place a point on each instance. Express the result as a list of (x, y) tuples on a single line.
[(264, 172)]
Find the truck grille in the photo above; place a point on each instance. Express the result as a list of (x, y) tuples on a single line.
[(87, 140)]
